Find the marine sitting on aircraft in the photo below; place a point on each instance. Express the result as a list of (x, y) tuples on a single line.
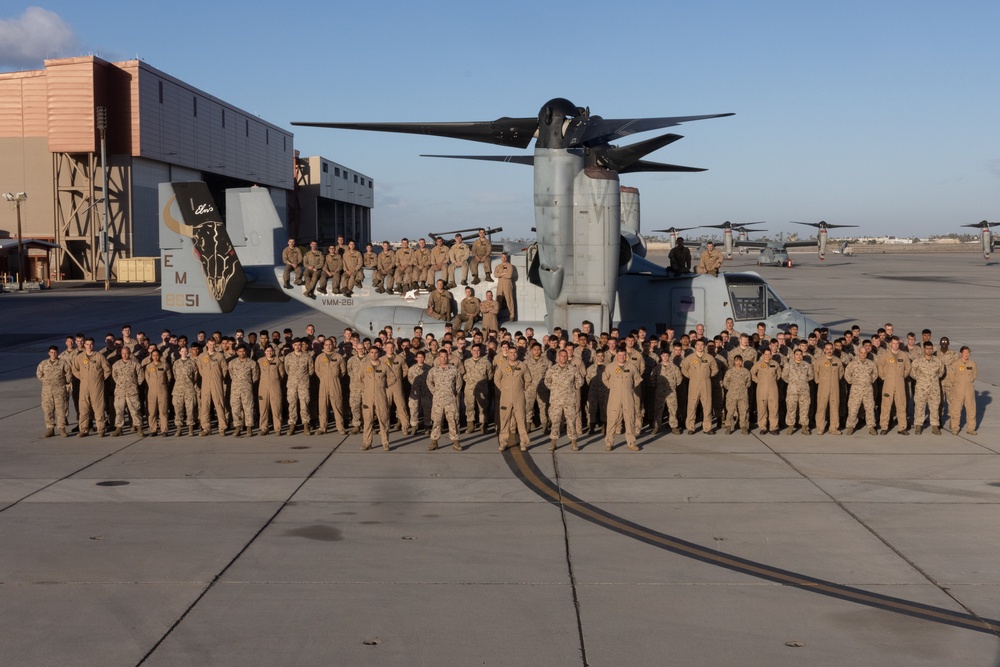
[(588, 263)]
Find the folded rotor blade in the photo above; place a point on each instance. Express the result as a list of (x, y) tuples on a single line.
[(594, 130), (514, 132), (516, 159)]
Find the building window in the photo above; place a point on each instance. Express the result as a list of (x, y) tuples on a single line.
[(355, 178), (284, 144), (267, 136), (195, 107), (223, 118), (326, 168), (345, 174), (336, 171), (369, 184), (161, 92), (248, 127)]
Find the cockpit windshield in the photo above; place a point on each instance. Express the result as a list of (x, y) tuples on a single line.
[(753, 299)]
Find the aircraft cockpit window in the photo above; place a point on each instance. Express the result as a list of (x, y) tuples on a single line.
[(749, 300), (774, 304)]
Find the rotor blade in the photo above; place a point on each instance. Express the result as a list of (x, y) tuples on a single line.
[(594, 130), (515, 159), (645, 165), (738, 225), (674, 229), (514, 132), (619, 158)]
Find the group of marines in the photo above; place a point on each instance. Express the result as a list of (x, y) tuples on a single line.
[(577, 381)]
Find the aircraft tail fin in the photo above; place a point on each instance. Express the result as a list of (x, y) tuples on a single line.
[(201, 272)]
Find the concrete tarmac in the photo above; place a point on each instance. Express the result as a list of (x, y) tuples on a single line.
[(698, 550)]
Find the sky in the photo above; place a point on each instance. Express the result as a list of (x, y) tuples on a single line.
[(877, 114)]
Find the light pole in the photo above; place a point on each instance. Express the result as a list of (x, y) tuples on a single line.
[(17, 199), (102, 125)]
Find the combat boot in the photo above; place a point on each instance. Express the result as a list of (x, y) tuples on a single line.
[(475, 280), (849, 431), (791, 429), (63, 433), (83, 433), (634, 447), (117, 432), (470, 427), (872, 431), (204, 433), (834, 431), (677, 431), (49, 432), (936, 430), (729, 430), (434, 445), (917, 430), (656, 429), (264, 431), (238, 431), (355, 430), (454, 445), (489, 278), (805, 431), (101, 433), (573, 444), (745, 431), (552, 445), (365, 448), (452, 285)]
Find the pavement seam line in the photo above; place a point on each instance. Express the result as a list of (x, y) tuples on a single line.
[(227, 566), (861, 522), (569, 565)]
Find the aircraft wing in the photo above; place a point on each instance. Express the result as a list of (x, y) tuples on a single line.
[(801, 244), (750, 244)]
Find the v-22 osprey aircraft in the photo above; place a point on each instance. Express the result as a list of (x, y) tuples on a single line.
[(588, 263)]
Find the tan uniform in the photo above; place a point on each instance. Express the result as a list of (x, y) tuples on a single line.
[(158, 377), (458, 258), (439, 262), (444, 383), (893, 369), (395, 393), (55, 376), (827, 373), (333, 270), (798, 395), (354, 262), (511, 379), (710, 262), (213, 371), (313, 262), (621, 382), (439, 305), (737, 385), (185, 393), (92, 370), (298, 370), (963, 374), (404, 268), (272, 377), (504, 273), (330, 369), (765, 376), (861, 375), (468, 313), (478, 378), (564, 383), (243, 375), (481, 250), (699, 371), (490, 311), (128, 376), (376, 379), (926, 373), (369, 260), (384, 270), (292, 258), (421, 264)]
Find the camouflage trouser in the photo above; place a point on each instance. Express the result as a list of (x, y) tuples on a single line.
[(441, 410), (534, 397), (354, 401), (665, 397), (737, 405), (130, 401), (797, 401), (54, 407), (929, 398), (560, 410), (298, 401), (184, 402), (241, 403), (477, 395), (420, 408), (860, 396)]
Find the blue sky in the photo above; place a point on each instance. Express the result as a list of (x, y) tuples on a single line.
[(877, 114)]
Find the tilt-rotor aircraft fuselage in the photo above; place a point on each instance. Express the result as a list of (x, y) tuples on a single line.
[(584, 265)]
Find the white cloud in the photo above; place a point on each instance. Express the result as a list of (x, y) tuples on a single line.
[(36, 35)]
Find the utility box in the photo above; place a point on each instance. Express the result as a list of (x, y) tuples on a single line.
[(138, 270)]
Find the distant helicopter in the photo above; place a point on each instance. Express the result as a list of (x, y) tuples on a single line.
[(986, 238), (728, 243), (821, 237)]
